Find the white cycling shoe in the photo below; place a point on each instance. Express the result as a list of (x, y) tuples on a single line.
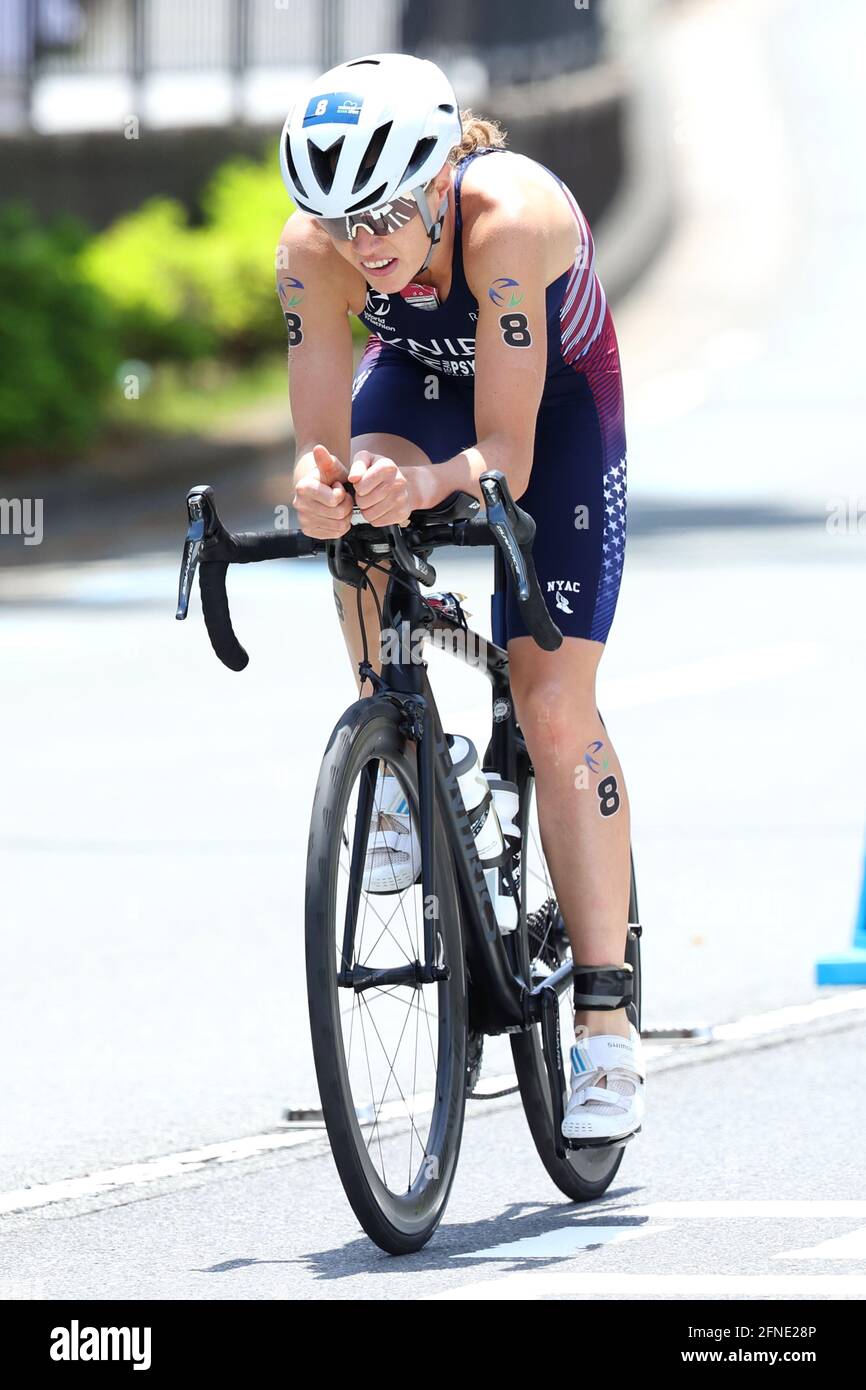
[(393, 859), (615, 1110)]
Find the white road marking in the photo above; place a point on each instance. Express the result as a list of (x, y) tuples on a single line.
[(736, 1210), (848, 1247), (561, 1242), (794, 1015), (152, 1170), (421, 1103), (530, 1285), (838, 1006)]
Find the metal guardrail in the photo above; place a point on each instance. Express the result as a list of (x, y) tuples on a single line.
[(512, 40)]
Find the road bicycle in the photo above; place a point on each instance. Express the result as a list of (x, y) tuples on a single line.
[(403, 986)]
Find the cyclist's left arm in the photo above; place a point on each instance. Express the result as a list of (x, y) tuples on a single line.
[(505, 258)]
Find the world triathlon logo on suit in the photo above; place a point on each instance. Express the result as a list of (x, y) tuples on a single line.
[(377, 304)]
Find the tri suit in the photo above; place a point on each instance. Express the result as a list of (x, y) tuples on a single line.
[(577, 488)]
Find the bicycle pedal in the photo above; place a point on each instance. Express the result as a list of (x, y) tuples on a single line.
[(616, 1143)]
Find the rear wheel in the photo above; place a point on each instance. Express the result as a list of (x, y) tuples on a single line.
[(543, 946), (390, 1059)]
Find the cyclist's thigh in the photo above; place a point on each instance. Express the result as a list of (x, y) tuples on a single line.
[(403, 452), (403, 409), (576, 495)]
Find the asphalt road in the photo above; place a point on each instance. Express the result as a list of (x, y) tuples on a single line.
[(154, 812)]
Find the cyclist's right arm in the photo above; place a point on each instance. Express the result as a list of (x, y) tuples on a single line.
[(314, 285)]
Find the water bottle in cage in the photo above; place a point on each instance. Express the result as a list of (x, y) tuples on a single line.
[(491, 805)]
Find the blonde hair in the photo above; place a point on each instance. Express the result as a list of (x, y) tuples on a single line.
[(478, 134)]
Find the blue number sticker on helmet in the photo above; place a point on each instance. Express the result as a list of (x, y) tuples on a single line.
[(341, 107)]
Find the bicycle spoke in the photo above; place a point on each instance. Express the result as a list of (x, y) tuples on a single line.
[(376, 1114), (409, 1113)]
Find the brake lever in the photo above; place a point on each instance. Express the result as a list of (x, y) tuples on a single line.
[(346, 569), (514, 532), (514, 529), (415, 565), (204, 522)]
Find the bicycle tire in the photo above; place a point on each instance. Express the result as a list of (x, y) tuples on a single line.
[(398, 1223)]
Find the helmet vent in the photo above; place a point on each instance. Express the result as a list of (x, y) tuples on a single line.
[(446, 106), (369, 200), (324, 162), (419, 154), (364, 62), (371, 156), (292, 170)]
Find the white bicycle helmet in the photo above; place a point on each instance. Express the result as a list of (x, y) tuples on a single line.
[(369, 135)]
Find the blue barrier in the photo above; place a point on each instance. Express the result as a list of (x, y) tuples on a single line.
[(848, 967)]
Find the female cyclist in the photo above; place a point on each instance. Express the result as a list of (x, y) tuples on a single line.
[(491, 346)]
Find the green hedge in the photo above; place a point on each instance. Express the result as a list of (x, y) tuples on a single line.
[(184, 291), (154, 287), (58, 344)]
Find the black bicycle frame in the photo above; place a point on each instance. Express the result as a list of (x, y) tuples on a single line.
[(500, 1000)]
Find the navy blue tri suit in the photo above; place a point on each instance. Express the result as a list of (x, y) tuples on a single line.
[(580, 449)]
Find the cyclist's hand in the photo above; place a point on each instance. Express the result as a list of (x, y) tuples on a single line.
[(385, 493), (323, 505)]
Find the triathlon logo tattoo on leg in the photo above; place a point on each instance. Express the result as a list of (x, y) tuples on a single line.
[(593, 763), (607, 790), (291, 292), (506, 292)]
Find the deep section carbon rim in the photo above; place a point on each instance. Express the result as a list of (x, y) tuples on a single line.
[(390, 1056)]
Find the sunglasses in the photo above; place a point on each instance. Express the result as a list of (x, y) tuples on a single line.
[(390, 217)]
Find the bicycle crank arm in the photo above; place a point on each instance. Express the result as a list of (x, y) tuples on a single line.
[(552, 1051)]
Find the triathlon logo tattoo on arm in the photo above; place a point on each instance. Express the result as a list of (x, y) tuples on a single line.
[(506, 292), (291, 292), (607, 790)]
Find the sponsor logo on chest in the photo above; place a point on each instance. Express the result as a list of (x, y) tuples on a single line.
[(452, 356), (420, 296)]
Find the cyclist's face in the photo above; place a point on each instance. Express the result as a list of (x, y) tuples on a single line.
[(392, 260)]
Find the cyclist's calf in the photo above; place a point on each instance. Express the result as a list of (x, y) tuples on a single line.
[(346, 601)]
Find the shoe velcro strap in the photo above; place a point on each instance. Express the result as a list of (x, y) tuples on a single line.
[(603, 986), (609, 1097)]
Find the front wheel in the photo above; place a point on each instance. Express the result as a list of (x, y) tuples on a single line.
[(391, 1058), (583, 1174)]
